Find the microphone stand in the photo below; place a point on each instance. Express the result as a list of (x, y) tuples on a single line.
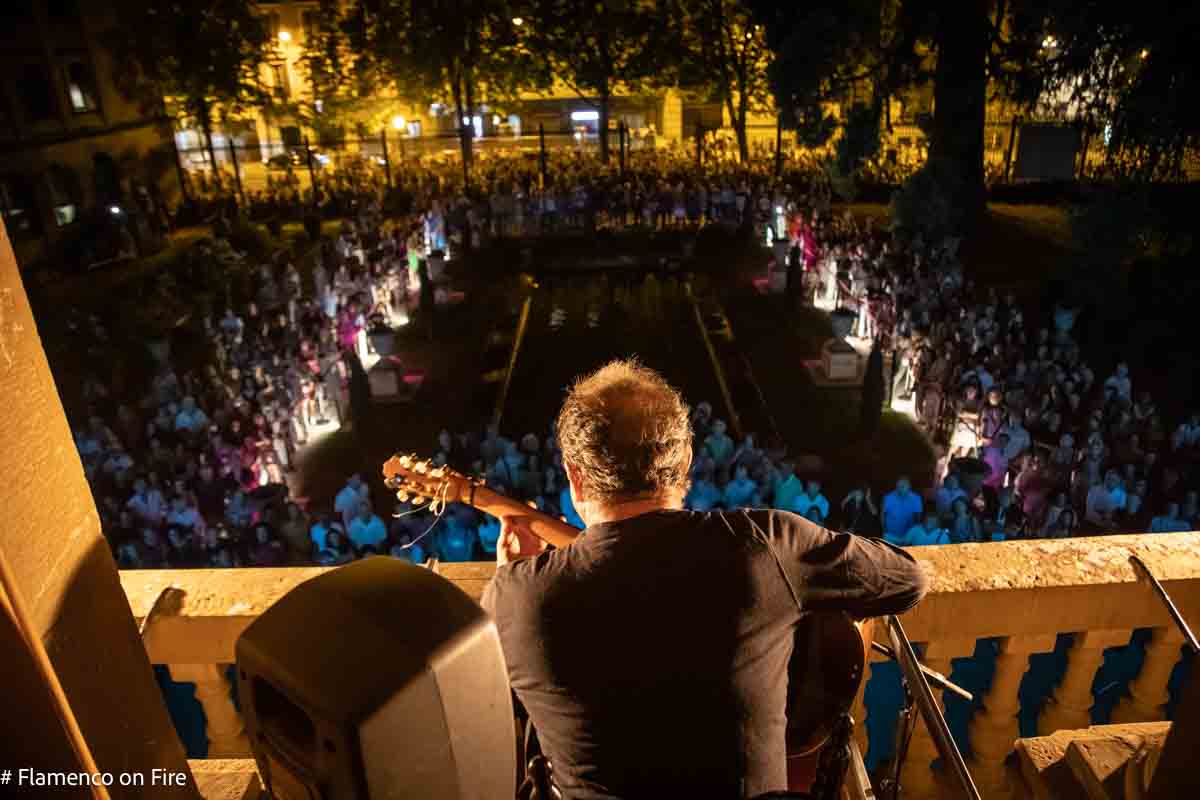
[(936, 678), (1143, 571), (917, 693)]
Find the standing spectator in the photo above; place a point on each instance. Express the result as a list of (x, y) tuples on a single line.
[(788, 487), (810, 498), (1101, 505), (859, 514), (349, 500), (741, 492), (949, 492), (266, 550), (997, 462), (1120, 384), (964, 527), (901, 509), (295, 534), (366, 528)]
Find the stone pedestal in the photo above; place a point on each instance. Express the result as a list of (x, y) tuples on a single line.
[(840, 361)]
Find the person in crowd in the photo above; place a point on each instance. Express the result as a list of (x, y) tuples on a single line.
[(995, 456), (902, 508), (787, 486), (1102, 505), (295, 533), (811, 498), (963, 526), (1170, 521), (337, 550), (266, 550), (949, 492), (703, 495), (366, 529), (718, 446), (348, 502), (859, 514), (927, 531)]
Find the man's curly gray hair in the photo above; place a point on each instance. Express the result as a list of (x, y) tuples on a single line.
[(627, 432)]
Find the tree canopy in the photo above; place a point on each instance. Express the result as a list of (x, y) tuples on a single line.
[(198, 58), (597, 47), (462, 53), (721, 55)]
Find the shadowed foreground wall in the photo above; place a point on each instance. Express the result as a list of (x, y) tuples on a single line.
[(50, 536)]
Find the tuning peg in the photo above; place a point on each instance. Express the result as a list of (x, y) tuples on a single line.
[(438, 472), (402, 496), (422, 467)]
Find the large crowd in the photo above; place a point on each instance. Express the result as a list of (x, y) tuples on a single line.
[(191, 469)]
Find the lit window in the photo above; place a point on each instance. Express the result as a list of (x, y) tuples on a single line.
[(17, 206), (585, 116), (81, 88), (64, 214)]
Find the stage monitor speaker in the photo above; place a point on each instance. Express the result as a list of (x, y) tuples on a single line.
[(378, 680)]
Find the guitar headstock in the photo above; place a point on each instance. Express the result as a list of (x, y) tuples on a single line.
[(419, 479)]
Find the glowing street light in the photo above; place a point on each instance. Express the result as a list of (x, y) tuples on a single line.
[(285, 36), (518, 21), (1049, 42), (398, 122)]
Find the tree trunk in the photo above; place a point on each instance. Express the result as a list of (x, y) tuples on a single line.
[(739, 129), (469, 135), (603, 123), (960, 102), (463, 142), (205, 115)]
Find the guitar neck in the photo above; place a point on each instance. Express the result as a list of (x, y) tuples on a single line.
[(544, 526)]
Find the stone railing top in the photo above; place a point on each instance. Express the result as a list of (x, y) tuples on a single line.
[(1032, 588)]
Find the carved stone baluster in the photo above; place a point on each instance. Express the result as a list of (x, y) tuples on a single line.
[(1069, 708), (225, 730), (1148, 691), (917, 775), (994, 727)]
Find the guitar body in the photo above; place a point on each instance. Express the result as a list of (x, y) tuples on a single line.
[(824, 676)]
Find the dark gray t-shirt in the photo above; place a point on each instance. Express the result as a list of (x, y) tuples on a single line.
[(652, 653)]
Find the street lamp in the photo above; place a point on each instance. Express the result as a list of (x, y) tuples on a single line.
[(285, 36), (518, 21), (398, 122)]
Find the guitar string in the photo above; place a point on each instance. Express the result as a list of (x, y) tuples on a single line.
[(438, 506)]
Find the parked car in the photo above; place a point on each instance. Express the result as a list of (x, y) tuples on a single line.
[(296, 158)]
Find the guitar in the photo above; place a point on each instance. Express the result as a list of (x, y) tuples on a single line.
[(828, 656)]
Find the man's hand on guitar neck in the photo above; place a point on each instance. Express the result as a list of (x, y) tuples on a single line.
[(517, 540)]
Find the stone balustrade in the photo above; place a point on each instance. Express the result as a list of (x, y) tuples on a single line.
[(1018, 595)]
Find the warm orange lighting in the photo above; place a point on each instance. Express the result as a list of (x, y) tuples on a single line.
[(518, 21), (285, 36), (398, 122)]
